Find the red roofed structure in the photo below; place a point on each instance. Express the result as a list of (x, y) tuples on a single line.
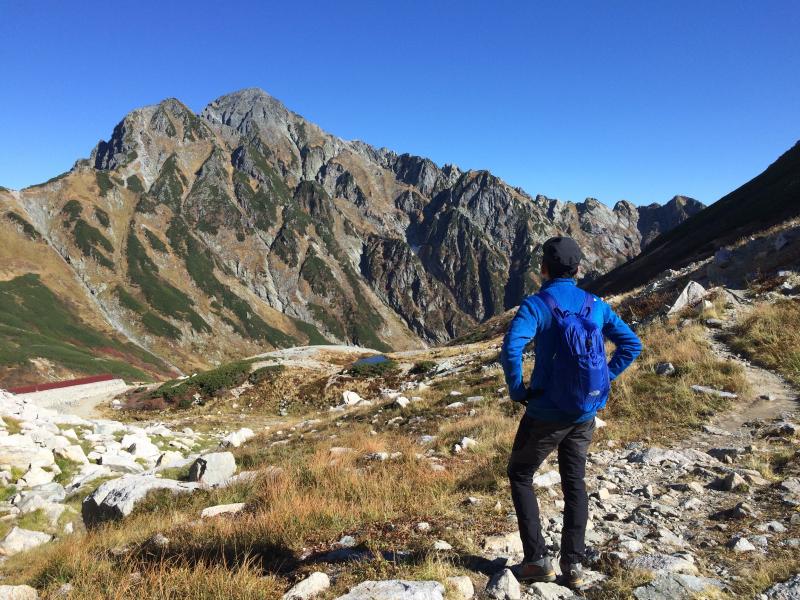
[(54, 385)]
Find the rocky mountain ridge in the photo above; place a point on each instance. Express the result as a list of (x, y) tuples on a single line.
[(768, 200), (206, 237)]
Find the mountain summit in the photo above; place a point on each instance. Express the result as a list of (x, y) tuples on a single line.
[(206, 237)]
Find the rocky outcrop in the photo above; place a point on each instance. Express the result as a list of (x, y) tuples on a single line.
[(117, 498), (655, 219), (396, 589)]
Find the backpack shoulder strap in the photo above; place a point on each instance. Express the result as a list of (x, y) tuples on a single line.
[(551, 303), (588, 304)]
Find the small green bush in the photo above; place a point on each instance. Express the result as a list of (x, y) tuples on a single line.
[(265, 373), (28, 229), (207, 384), (423, 367), (380, 369), (72, 210), (155, 241), (102, 217), (104, 182), (135, 184)]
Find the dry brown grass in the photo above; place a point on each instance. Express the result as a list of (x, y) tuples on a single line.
[(770, 336), (297, 515), (644, 405)]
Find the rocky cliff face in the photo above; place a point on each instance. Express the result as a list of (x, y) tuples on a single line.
[(215, 235), (655, 219)]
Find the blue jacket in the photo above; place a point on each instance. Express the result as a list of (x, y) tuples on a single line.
[(534, 320)]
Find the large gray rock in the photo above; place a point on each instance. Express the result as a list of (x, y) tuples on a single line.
[(20, 452), (121, 463), (787, 590), (664, 563), (20, 540), (18, 592), (139, 445), (504, 586), (689, 296), (117, 498), (685, 457), (551, 591), (508, 543), (396, 589), (461, 587), (675, 586), (72, 453), (312, 585), (237, 438), (213, 468)]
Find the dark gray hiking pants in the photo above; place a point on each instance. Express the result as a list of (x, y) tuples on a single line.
[(534, 441)]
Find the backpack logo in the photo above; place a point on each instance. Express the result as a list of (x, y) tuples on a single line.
[(580, 381)]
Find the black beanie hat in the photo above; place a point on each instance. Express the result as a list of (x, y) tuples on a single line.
[(561, 255)]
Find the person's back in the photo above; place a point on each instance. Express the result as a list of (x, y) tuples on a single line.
[(559, 315)]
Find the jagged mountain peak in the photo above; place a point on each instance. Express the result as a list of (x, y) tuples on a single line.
[(246, 108), (206, 237)]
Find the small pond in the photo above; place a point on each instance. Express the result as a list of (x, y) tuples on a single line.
[(371, 360)]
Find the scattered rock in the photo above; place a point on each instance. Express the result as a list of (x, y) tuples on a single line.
[(665, 369), (237, 438), (701, 389), (139, 445), (467, 442), (396, 589), (510, 543), (309, 587), (461, 586), (115, 499), (350, 398), (551, 591), (675, 586), (213, 468), (222, 509), (36, 476), (787, 590), (20, 540), (504, 586), (73, 453), (441, 545), (18, 592), (732, 482), (547, 479), (740, 544), (664, 563), (692, 294), (772, 526), (121, 463)]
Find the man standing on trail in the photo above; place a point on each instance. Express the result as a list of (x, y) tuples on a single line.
[(570, 383)]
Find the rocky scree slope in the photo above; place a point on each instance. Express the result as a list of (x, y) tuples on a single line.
[(205, 237)]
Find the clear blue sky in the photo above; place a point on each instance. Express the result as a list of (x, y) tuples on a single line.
[(613, 99)]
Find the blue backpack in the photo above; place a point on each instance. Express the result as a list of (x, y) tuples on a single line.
[(579, 381)]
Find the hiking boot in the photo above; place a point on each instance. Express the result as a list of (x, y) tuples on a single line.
[(538, 570), (572, 575)]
